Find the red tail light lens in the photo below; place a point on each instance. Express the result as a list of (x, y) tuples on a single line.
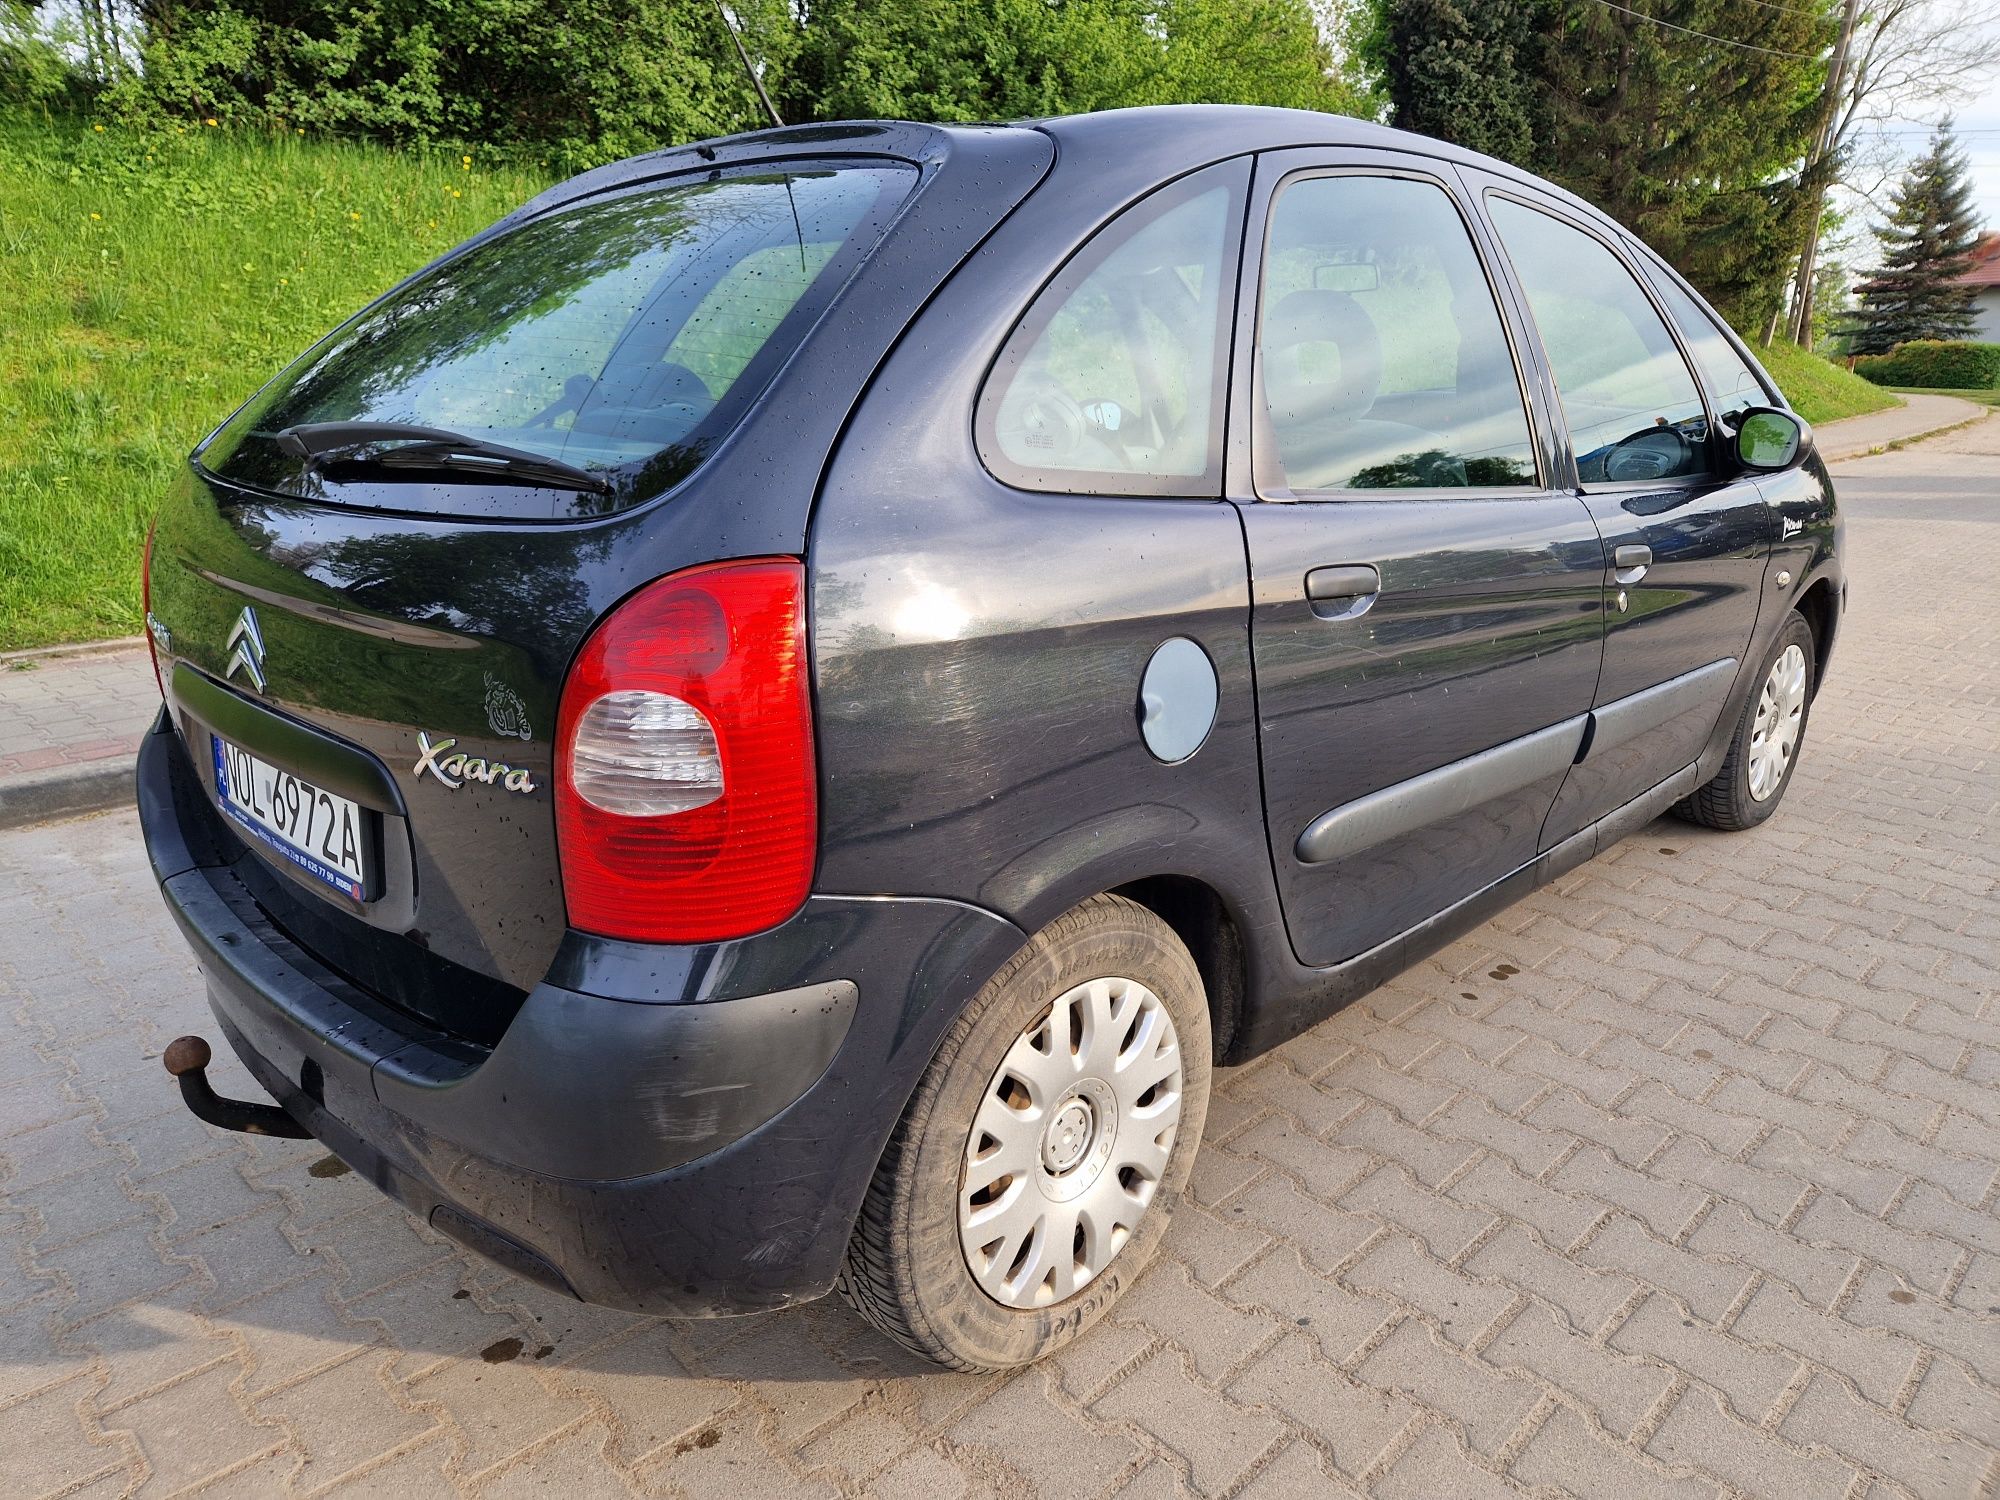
[(146, 604), (686, 797)]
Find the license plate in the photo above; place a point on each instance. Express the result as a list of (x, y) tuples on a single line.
[(320, 833)]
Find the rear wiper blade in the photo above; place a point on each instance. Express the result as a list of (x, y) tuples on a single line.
[(432, 448)]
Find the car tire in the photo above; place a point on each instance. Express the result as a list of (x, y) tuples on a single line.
[(1046, 1072), (1769, 735)]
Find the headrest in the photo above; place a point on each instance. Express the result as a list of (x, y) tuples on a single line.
[(636, 412), (1301, 380)]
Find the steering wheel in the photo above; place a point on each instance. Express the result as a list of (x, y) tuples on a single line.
[(1041, 419), (1654, 453)]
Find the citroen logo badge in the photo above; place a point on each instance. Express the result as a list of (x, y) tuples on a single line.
[(246, 649)]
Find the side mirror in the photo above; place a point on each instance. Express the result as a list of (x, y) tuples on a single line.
[(1768, 439)]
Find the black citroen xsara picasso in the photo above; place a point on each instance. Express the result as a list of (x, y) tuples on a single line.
[(764, 723)]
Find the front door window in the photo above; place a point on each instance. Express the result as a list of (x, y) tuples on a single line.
[(1634, 411)]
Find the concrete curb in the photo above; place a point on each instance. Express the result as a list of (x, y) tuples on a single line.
[(1834, 449), (75, 648), (66, 792)]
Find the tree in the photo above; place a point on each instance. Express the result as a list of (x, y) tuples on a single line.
[(1463, 70), (1006, 59), (1927, 246), (1243, 52), (1928, 53), (589, 80), (1689, 125), (1686, 120), (961, 59)]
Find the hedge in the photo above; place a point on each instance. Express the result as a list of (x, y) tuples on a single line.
[(1934, 364)]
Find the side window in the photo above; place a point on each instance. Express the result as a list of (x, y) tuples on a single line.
[(1634, 411), (1732, 384), (1111, 383), (1381, 358)]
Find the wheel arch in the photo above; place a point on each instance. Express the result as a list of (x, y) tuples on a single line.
[(1202, 919), (1820, 605)]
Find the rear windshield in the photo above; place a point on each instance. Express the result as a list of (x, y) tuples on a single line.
[(624, 337)]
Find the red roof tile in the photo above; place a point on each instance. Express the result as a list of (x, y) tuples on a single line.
[(1985, 263)]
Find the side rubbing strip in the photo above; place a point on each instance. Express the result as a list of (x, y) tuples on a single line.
[(1629, 717), (1443, 793)]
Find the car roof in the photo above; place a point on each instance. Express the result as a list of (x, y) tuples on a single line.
[(1213, 132), (1177, 137)]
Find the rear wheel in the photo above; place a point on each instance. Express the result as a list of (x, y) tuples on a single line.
[(1033, 1173), (1753, 779)]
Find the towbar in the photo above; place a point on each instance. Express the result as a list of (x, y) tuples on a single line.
[(186, 1057)]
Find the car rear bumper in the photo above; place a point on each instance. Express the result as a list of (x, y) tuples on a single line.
[(699, 1146)]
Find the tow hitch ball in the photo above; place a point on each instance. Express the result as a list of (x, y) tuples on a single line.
[(186, 1057)]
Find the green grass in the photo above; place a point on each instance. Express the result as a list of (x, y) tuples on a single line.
[(1819, 389), (1988, 397), (149, 284)]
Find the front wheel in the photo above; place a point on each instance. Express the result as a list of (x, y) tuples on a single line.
[(1033, 1173), (1768, 737)]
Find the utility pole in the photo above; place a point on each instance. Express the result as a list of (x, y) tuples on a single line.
[(1823, 145)]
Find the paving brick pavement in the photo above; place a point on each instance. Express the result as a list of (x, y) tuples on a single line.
[(71, 708), (1678, 1179)]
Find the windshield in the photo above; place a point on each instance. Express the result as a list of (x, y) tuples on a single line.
[(624, 337)]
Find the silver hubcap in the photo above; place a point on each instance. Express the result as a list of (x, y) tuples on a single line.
[(1781, 712), (1070, 1142)]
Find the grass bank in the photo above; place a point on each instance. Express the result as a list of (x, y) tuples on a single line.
[(1819, 389), (148, 284)]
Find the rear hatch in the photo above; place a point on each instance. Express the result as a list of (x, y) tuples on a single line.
[(364, 627)]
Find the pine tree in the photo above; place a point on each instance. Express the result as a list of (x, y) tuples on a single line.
[(1464, 71), (1927, 245), (1686, 120)]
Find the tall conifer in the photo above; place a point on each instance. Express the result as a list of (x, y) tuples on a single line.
[(1927, 245)]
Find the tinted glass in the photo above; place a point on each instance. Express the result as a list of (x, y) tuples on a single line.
[(1381, 356), (1111, 382), (1732, 384), (623, 336), (1634, 410)]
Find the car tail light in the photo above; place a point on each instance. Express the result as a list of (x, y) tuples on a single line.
[(146, 604), (686, 798)]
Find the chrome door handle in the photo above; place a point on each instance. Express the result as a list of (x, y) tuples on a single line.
[(1629, 563), (1341, 593)]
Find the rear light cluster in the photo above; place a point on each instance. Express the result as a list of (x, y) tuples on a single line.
[(686, 797)]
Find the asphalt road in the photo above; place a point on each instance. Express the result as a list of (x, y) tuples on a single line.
[(1677, 1179)]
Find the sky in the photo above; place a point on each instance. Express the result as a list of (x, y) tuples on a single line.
[(1976, 122), (1977, 125)]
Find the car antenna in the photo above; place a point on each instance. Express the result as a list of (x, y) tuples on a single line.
[(744, 57)]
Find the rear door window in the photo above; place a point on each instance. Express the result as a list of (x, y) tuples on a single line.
[(625, 336), (1634, 411), (1382, 360), (1112, 381)]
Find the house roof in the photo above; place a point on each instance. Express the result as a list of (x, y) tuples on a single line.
[(1985, 269)]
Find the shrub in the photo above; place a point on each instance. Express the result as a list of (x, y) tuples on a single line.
[(575, 82), (1935, 364), (38, 66)]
